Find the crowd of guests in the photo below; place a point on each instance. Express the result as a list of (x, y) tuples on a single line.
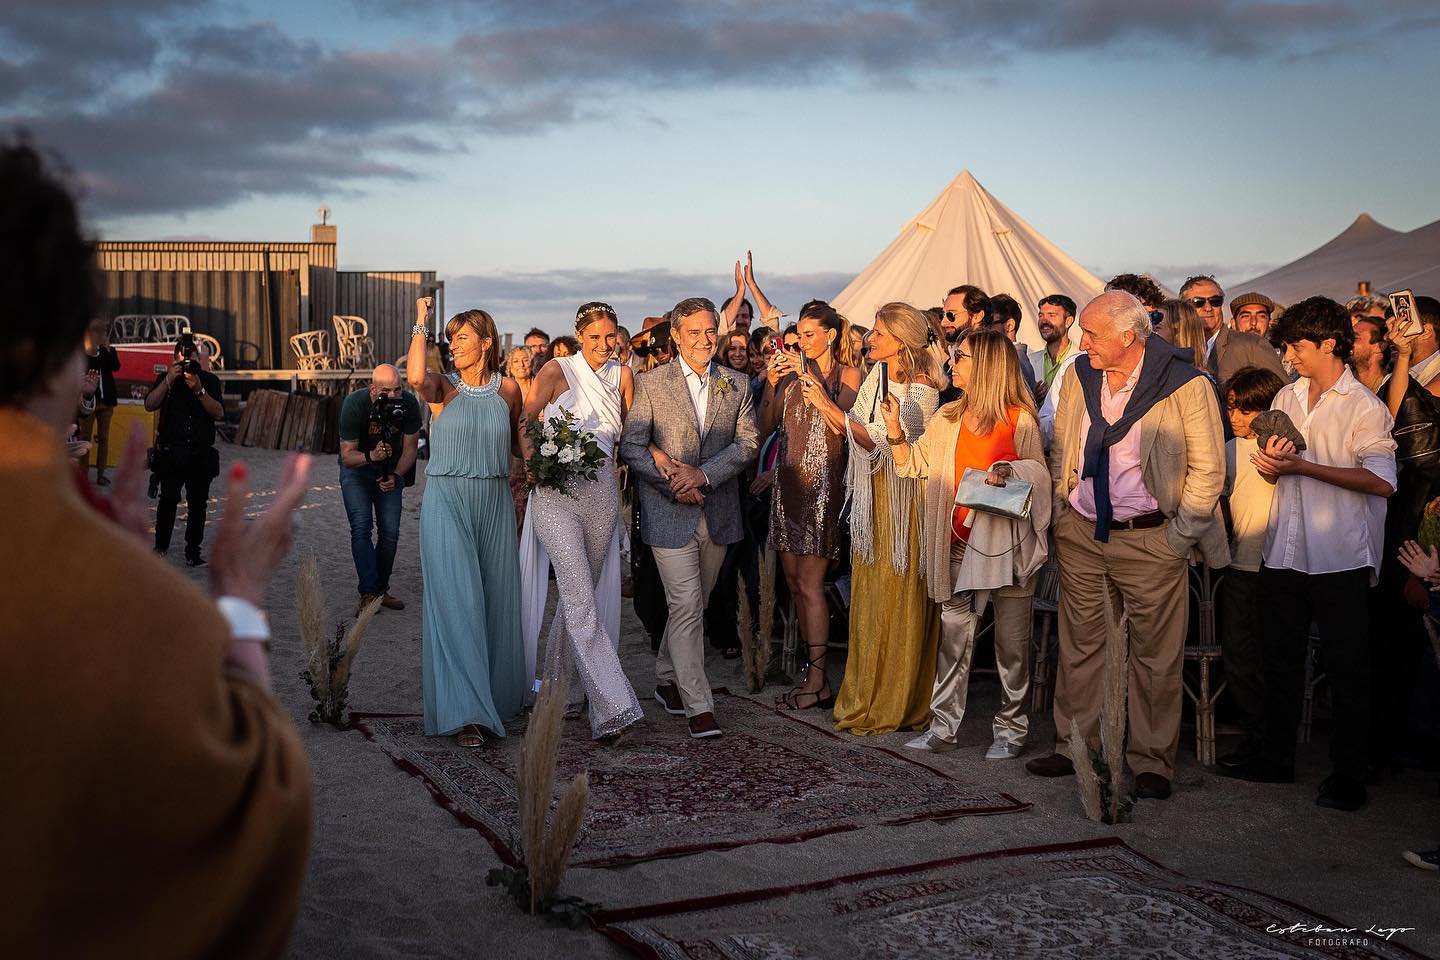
[(909, 476)]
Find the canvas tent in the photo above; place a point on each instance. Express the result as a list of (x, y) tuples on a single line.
[(1366, 250), (965, 235)]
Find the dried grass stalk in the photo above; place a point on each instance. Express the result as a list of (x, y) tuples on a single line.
[(747, 637), (559, 840), (310, 605), (352, 642), (765, 629), (1085, 777), (543, 859), (1113, 719)]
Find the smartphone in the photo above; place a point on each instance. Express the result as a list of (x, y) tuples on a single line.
[(1402, 302), (884, 372), (779, 344)]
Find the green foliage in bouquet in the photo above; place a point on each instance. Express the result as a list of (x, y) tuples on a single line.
[(561, 452)]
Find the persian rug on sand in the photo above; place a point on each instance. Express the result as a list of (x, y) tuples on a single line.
[(1093, 898), (770, 779)]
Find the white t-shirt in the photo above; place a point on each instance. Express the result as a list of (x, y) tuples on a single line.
[(1250, 496)]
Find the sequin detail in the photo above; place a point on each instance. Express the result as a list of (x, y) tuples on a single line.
[(810, 477), (576, 532), (489, 387)]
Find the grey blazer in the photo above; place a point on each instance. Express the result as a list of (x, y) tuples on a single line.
[(663, 414)]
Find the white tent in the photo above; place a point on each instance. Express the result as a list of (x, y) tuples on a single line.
[(965, 235), (1366, 250)]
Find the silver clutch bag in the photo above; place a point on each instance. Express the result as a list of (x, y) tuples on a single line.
[(1011, 500)]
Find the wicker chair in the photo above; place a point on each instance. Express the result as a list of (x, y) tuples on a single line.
[(132, 328), (169, 327), (212, 347), (312, 350), (352, 341)]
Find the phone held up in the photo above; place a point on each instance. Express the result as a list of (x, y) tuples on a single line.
[(883, 371)]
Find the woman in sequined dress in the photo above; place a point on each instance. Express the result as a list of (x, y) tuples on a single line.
[(809, 480), (894, 625), (576, 531), (473, 662)]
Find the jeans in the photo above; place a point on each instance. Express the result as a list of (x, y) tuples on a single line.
[(368, 508), (195, 481)]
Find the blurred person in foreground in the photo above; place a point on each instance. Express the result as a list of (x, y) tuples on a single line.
[(165, 810)]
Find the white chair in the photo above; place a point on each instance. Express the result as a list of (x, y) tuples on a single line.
[(131, 328), (212, 348), (169, 327), (312, 350), (352, 341)]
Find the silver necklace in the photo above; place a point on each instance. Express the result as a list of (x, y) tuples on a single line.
[(462, 387)]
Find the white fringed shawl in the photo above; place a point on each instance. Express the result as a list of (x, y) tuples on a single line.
[(918, 403)]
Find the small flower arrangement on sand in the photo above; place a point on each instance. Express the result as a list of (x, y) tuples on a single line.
[(560, 453)]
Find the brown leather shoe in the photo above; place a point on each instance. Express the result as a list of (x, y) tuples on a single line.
[(365, 600), (703, 725), (1151, 786), (392, 603), (668, 696), (1055, 765)]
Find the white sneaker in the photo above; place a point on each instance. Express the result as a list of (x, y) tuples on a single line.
[(930, 744), (1003, 750)]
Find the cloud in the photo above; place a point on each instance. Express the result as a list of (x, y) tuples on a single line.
[(169, 106), (548, 299)]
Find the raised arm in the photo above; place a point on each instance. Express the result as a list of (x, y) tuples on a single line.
[(768, 312), (728, 315), (429, 386)]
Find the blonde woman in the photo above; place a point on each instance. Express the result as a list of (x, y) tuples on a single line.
[(894, 626), (519, 366), (992, 427), (1183, 327)]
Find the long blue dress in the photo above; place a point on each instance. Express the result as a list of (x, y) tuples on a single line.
[(474, 661)]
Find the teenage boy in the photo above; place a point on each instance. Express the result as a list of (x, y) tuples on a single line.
[(1322, 548), (1248, 394)]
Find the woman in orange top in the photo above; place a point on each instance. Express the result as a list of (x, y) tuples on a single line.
[(991, 426)]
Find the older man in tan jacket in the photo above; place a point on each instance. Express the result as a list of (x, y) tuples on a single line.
[(1138, 462)]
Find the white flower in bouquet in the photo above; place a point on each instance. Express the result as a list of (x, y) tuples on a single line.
[(548, 449), (549, 432), (567, 455)]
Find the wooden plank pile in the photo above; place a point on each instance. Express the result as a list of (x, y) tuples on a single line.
[(284, 421)]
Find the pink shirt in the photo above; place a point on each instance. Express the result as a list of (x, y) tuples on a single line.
[(1128, 496)]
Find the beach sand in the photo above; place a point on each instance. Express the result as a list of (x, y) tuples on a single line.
[(392, 874)]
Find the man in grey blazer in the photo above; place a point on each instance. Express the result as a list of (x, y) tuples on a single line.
[(699, 417)]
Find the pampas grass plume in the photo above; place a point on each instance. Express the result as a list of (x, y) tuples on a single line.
[(1085, 778), (352, 641), (747, 637), (310, 605), (559, 840), (537, 775)]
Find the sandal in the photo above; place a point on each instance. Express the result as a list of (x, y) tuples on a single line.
[(790, 701), (470, 737)]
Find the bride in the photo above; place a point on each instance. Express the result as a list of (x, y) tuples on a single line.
[(577, 531)]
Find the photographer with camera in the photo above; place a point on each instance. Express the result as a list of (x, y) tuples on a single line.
[(188, 398), (379, 438)]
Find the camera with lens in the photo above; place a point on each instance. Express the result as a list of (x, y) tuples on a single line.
[(652, 341), (185, 348), (387, 426)]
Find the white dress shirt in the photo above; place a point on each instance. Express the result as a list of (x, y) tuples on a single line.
[(699, 386), (1427, 370), (1317, 527)]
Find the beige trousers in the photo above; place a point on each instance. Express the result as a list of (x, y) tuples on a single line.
[(1137, 573), (1014, 611), (689, 574)]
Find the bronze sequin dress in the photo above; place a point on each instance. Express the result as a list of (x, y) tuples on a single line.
[(810, 475)]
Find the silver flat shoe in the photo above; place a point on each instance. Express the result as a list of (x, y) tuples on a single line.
[(1004, 750), (929, 743)]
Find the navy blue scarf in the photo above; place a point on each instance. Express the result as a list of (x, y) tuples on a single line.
[(1163, 370)]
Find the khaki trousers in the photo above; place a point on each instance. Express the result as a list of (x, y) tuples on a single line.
[(1139, 575), (689, 574), (1014, 627), (97, 423)]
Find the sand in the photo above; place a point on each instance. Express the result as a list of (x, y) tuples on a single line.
[(393, 875)]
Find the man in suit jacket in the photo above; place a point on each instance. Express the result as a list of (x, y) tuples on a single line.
[(1229, 350), (1138, 462), (699, 416)]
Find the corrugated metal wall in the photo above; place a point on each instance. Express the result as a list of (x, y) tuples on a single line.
[(386, 301), (229, 304)]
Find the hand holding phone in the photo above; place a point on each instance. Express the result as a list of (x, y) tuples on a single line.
[(883, 369), (1407, 321)]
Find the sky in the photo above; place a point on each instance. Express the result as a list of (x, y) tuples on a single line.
[(540, 154)]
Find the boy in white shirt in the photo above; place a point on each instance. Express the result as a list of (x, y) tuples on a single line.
[(1247, 394), (1323, 548)]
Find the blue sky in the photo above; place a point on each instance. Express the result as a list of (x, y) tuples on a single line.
[(541, 154)]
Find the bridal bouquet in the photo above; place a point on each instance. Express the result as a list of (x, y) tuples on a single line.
[(561, 452)]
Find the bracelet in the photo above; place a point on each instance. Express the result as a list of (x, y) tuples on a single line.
[(894, 441), (419, 330)]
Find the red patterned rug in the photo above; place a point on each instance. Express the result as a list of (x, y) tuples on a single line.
[(770, 779), (1094, 898)]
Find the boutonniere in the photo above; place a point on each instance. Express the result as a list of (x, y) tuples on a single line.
[(723, 386)]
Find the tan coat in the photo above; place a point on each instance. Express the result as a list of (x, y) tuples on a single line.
[(1182, 455), (1235, 350), (152, 806), (933, 457)]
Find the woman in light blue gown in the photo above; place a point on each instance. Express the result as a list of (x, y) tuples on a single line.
[(473, 659)]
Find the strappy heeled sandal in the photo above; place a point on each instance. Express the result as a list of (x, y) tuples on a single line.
[(789, 701), (470, 737)]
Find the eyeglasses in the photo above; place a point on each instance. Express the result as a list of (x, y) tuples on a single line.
[(952, 316), (1215, 301), (961, 355)]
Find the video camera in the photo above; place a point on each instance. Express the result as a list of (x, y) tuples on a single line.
[(185, 347), (387, 426)]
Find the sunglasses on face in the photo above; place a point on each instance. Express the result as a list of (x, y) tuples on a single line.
[(1156, 316), (1214, 301), (952, 316)]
